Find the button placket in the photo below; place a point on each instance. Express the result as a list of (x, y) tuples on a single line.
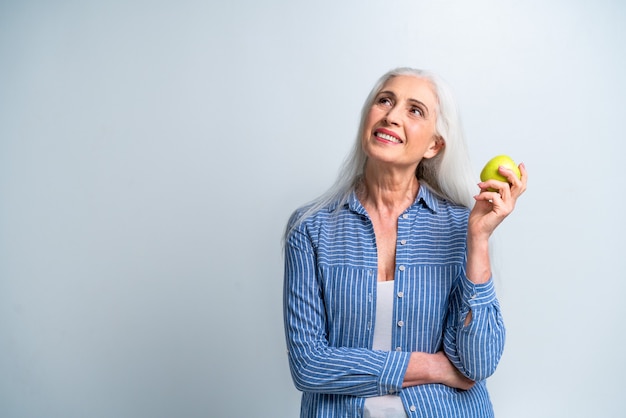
[(401, 257)]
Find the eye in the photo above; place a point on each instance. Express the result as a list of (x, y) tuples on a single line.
[(384, 100), (416, 111)]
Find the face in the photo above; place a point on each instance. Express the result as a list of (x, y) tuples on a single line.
[(400, 125)]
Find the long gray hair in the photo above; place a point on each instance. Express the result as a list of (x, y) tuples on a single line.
[(449, 173)]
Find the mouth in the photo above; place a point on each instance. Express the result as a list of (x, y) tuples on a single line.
[(387, 136)]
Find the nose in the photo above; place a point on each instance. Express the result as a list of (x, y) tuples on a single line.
[(392, 116)]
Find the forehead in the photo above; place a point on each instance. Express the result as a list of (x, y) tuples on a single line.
[(411, 87)]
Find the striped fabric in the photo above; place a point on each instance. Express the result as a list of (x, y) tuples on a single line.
[(330, 301)]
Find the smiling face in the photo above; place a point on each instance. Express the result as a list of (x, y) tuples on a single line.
[(400, 125)]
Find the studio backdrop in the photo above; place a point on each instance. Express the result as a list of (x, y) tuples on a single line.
[(151, 153)]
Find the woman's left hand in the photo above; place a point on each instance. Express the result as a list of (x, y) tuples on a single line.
[(495, 202)]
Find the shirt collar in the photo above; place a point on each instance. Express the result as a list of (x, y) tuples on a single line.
[(429, 199), (355, 204), (425, 196)]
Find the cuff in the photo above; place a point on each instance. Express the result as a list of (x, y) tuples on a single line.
[(393, 372), (476, 295)]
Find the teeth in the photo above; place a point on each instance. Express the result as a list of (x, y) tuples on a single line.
[(388, 137)]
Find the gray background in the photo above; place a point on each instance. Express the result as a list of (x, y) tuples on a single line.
[(151, 152)]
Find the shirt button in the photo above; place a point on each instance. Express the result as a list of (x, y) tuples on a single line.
[(400, 294), (402, 242), (400, 323), (401, 268), (405, 216), (398, 349), (412, 408)]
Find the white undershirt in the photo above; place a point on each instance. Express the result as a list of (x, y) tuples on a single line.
[(387, 406)]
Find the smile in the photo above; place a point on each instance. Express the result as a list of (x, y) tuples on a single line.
[(388, 138)]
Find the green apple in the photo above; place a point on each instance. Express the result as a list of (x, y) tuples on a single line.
[(490, 172)]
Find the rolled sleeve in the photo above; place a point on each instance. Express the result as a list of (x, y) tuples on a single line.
[(476, 348)]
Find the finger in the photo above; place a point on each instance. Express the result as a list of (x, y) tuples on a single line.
[(490, 195), (522, 169), (493, 186), (524, 179), (509, 175)]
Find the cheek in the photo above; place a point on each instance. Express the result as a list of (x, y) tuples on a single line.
[(368, 124), (374, 116), (370, 119), (422, 133)]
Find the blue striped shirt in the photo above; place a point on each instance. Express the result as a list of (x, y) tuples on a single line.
[(329, 311)]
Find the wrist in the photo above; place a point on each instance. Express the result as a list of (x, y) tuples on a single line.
[(478, 268), (418, 371), (477, 239)]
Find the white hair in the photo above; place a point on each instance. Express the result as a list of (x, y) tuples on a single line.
[(448, 174)]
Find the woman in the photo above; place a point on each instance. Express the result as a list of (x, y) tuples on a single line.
[(389, 303)]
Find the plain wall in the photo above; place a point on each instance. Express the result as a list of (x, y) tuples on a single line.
[(151, 153)]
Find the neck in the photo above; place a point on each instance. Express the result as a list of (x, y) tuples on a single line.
[(388, 192)]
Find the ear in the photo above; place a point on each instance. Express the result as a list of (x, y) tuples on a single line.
[(436, 145)]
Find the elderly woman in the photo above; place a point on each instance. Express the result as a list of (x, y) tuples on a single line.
[(389, 302)]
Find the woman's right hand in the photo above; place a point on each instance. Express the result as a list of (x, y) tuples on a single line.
[(427, 368)]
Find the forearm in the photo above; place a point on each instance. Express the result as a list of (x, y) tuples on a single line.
[(478, 267), (426, 368)]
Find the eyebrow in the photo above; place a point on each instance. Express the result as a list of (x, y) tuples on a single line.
[(411, 100)]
